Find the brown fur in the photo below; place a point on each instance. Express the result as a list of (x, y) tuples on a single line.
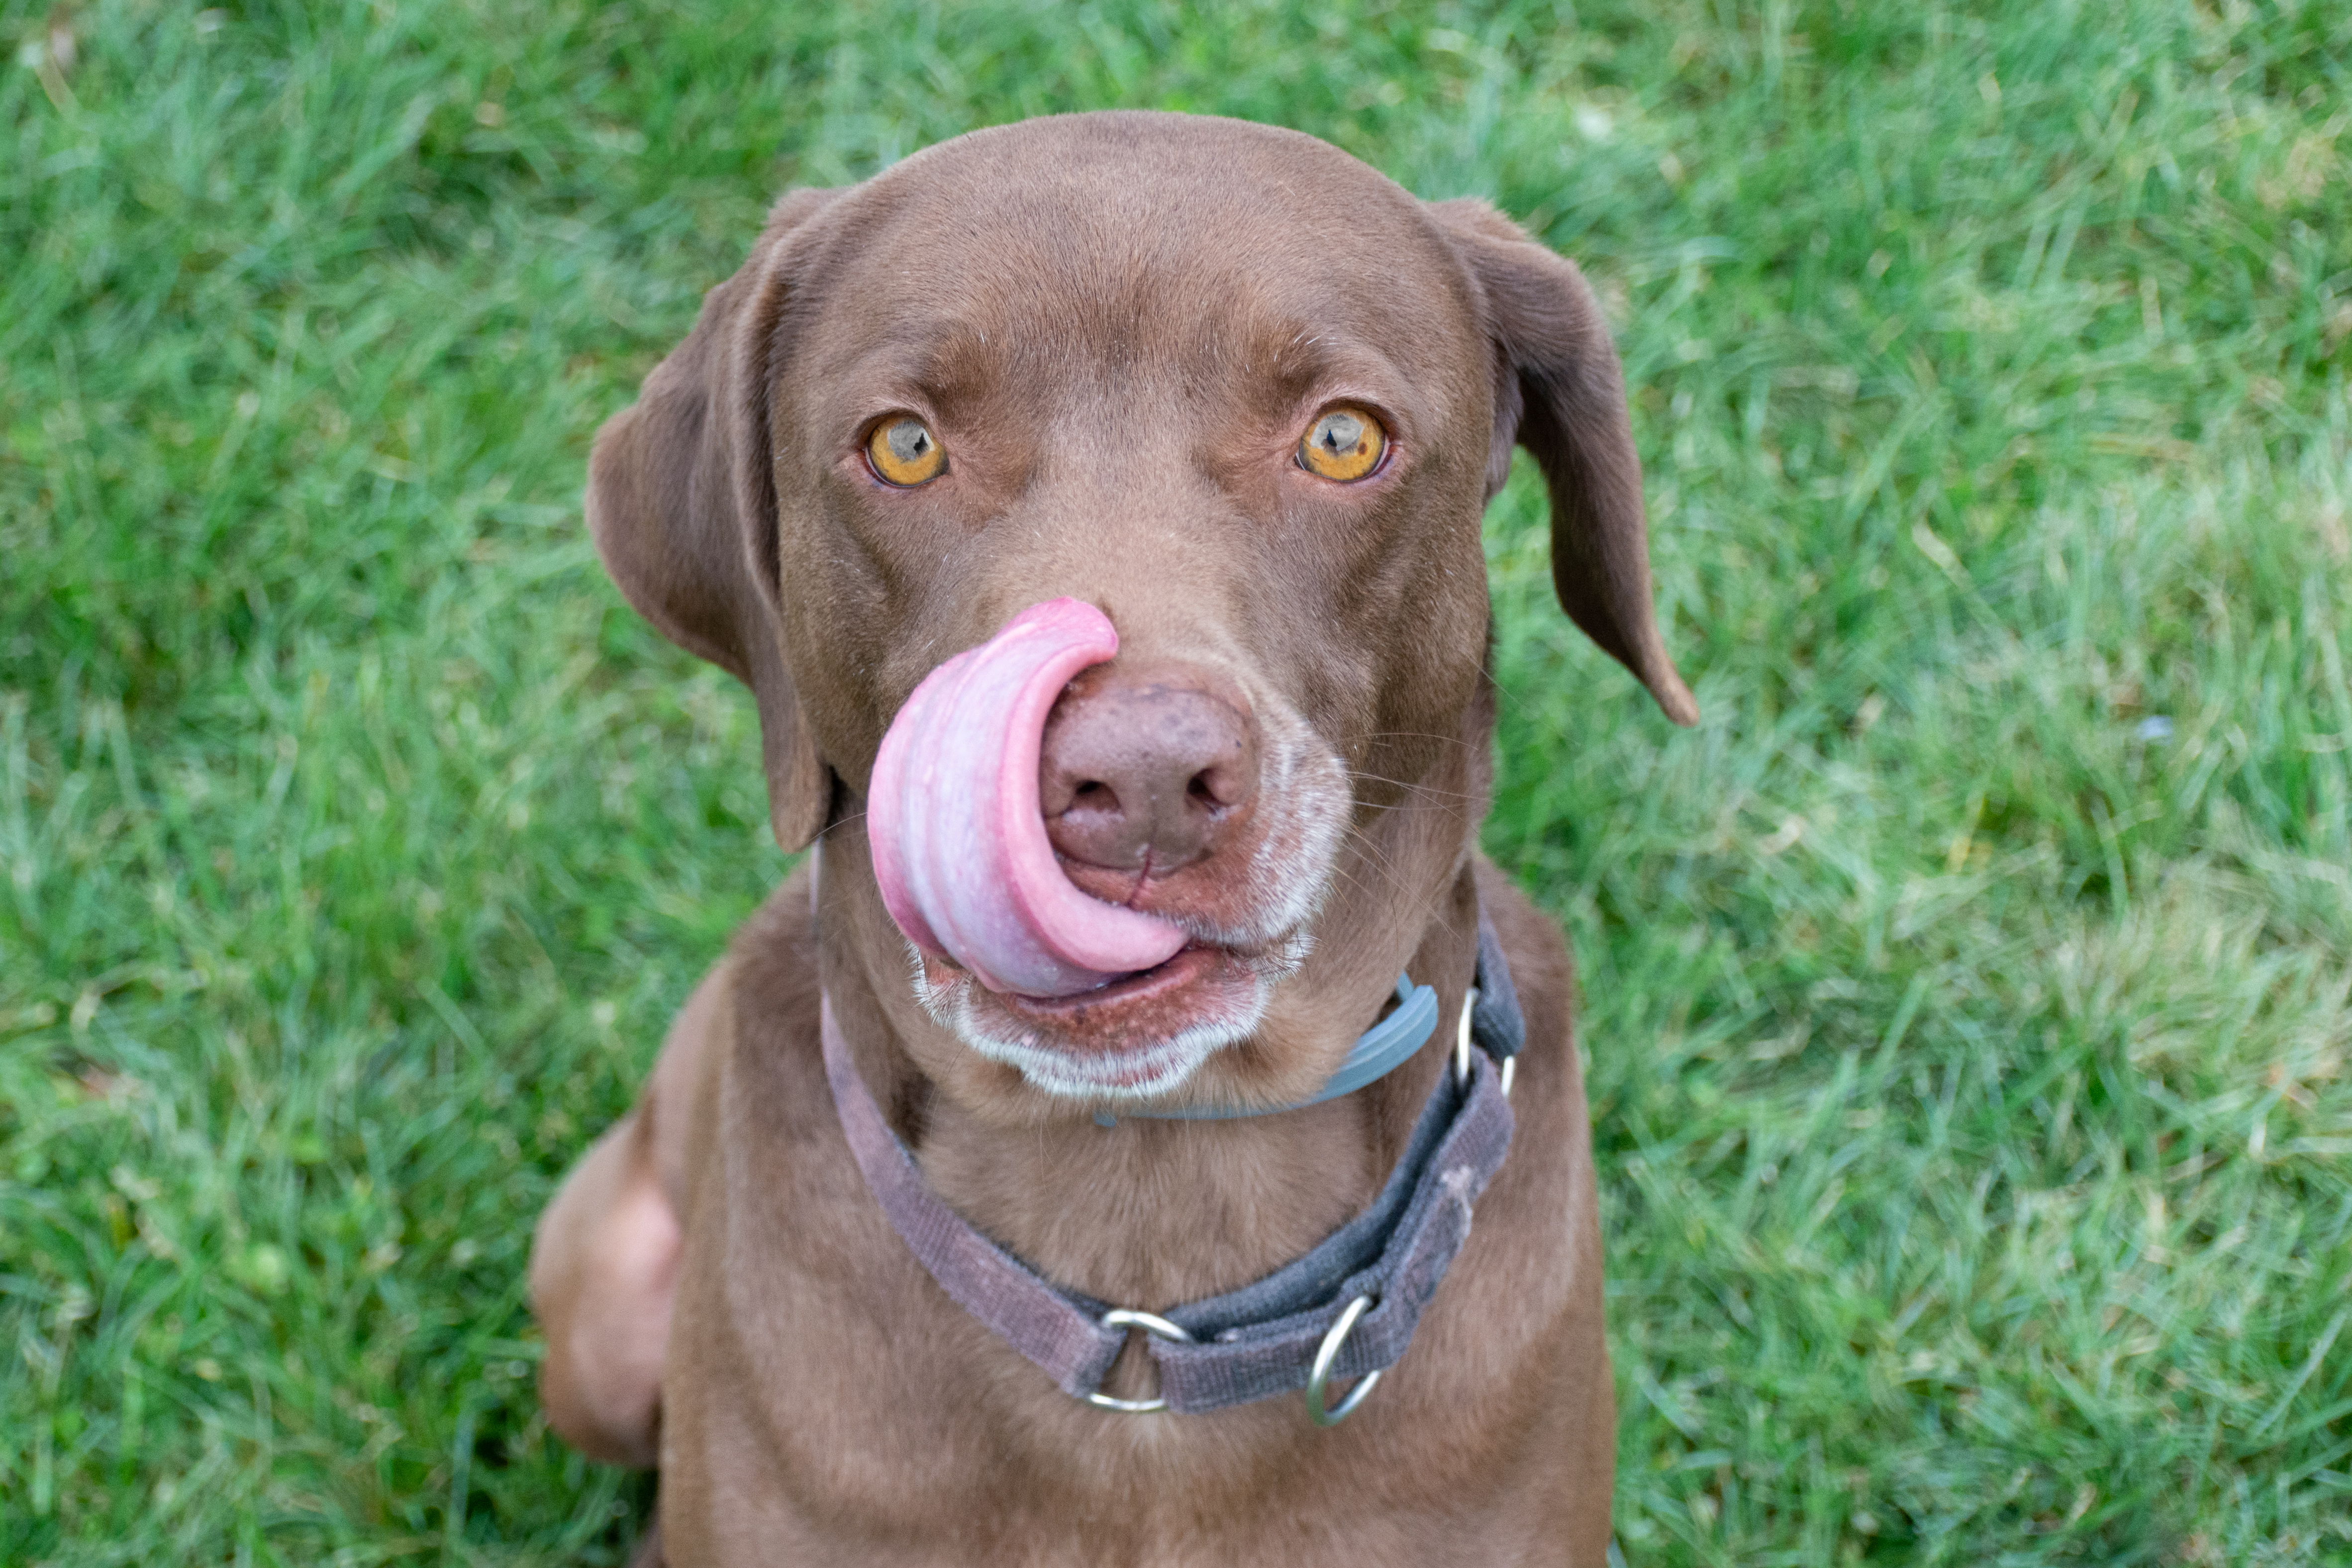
[(1118, 324)]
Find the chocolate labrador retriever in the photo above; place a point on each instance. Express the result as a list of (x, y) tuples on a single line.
[(903, 1257)]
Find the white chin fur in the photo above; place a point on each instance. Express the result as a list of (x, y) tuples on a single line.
[(1144, 1075), (1148, 1074)]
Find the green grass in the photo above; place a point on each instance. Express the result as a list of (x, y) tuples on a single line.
[(1970, 1061)]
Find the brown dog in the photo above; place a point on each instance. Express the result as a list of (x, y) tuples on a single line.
[(1250, 398)]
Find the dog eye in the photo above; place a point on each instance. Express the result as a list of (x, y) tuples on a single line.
[(904, 452), (1344, 444)]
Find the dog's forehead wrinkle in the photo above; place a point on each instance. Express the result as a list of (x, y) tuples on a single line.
[(1093, 250)]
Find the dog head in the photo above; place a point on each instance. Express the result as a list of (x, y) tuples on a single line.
[(1244, 394)]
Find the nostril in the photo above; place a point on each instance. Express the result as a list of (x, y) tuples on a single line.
[(1219, 787), (1142, 774)]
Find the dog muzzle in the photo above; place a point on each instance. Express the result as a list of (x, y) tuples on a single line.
[(959, 840)]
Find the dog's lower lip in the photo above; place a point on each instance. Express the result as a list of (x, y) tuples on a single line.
[(1189, 963), (1149, 1028)]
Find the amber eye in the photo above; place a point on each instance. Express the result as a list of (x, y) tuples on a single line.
[(1345, 444), (904, 452)]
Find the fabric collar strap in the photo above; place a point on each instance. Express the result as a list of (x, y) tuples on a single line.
[(1377, 1272)]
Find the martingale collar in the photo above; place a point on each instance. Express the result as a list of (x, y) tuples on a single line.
[(1346, 1310)]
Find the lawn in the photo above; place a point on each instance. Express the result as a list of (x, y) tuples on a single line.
[(1967, 1001)]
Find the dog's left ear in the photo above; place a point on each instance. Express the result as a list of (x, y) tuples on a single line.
[(1560, 392), (682, 503)]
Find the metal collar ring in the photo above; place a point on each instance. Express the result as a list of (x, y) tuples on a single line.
[(1151, 1323), (1319, 1409), (1462, 1038)]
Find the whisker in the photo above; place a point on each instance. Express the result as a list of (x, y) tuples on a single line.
[(1419, 735), (1503, 691), (1367, 891), (1379, 861), (1410, 785), (839, 822)]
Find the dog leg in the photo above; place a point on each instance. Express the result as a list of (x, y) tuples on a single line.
[(603, 1267), (603, 1264)]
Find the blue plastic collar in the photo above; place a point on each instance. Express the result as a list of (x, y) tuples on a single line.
[(1378, 1051)]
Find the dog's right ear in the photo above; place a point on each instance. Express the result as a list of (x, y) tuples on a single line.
[(682, 504)]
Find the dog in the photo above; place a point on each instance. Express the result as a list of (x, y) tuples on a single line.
[(1242, 400)]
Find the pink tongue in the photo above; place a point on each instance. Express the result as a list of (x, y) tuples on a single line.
[(960, 844)]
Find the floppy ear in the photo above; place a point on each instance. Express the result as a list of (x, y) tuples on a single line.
[(1559, 392), (682, 504)]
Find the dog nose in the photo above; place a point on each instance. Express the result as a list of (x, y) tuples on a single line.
[(1145, 775)]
